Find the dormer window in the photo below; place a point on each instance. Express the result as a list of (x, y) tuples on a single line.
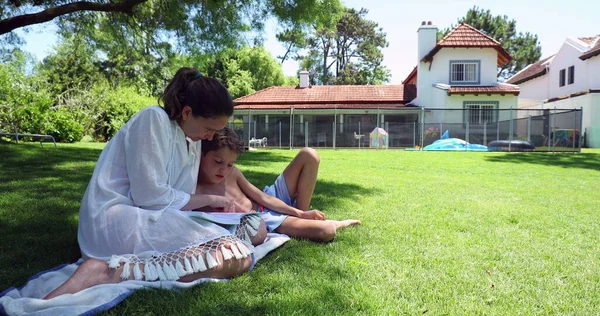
[(464, 71)]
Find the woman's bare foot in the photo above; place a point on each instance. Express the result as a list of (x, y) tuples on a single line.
[(344, 223), (91, 272)]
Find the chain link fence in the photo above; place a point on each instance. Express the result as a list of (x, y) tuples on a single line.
[(555, 130)]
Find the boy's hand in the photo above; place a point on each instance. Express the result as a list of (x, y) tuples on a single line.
[(313, 214)]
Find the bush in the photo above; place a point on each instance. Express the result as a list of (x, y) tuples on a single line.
[(98, 111)]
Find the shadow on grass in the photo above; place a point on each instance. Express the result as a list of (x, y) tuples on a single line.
[(579, 161), (41, 193), (327, 194), (261, 157)]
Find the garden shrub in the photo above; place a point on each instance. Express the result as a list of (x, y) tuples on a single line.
[(99, 111)]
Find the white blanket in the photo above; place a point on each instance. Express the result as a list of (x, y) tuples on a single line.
[(27, 300)]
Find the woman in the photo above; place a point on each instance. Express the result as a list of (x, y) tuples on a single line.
[(130, 221)]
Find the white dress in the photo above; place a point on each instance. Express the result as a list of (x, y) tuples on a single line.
[(130, 212)]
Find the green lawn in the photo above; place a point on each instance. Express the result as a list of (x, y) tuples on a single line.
[(443, 233)]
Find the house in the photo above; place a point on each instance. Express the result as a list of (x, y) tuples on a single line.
[(460, 72), (567, 80), (454, 86)]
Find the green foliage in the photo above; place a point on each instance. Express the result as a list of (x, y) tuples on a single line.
[(71, 66), (22, 103), (245, 70), (353, 46), (523, 47), (98, 111)]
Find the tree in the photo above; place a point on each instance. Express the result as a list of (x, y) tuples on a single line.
[(71, 66), (353, 46), (295, 35), (193, 24), (245, 70), (523, 47)]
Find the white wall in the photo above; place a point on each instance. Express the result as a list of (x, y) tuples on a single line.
[(567, 56), (487, 56), (535, 89), (456, 102), (440, 71), (593, 72)]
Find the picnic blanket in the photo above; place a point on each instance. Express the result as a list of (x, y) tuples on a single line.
[(27, 300)]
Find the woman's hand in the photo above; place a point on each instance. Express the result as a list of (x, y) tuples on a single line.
[(313, 214), (227, 205)]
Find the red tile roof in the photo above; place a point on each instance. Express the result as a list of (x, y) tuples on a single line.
[(594, 50), (328, 97), (589, 40), (530, 72), (465, 35), (277, 106), (499, 89)]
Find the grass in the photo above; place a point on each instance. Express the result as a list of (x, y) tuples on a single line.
[(443, 233)]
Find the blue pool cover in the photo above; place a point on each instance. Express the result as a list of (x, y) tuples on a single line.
[(453, 144)]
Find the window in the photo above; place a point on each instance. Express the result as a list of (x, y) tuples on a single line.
[(480, 112), (464, 71), (561, 78), (571, 78)]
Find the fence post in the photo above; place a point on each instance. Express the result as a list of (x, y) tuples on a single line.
[(414, 134), (422, 126), (580, 127), (249, 124), (291, 126), (468, 121), (529, 128), (554, 130), (574, 125), (360, 138), (485, 133), (279, 134), (334, 126), (498, 130), (305, 134), (510, 129)]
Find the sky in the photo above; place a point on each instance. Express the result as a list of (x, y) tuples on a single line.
[(551, 20)]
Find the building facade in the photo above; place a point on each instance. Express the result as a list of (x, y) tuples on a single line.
[(567, 80), (454, 86)]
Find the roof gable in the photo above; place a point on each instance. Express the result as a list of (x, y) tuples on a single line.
[(467, 36), (532, 71), (594, 50)]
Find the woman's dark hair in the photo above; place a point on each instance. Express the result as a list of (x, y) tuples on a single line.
[(206, 96), (223, 138)]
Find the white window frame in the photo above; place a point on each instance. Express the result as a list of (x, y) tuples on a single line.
[(480, 112), (470, 74)]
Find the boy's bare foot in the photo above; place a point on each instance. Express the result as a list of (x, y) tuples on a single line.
[(344, 223), (91, 272)]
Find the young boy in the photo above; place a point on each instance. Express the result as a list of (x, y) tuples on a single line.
[(283, 205)]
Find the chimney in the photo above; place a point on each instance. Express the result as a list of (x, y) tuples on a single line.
[(304, 82), (427, 34)]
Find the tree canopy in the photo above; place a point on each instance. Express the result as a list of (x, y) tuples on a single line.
[(341, 47), (523, 47), (192, 25)]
